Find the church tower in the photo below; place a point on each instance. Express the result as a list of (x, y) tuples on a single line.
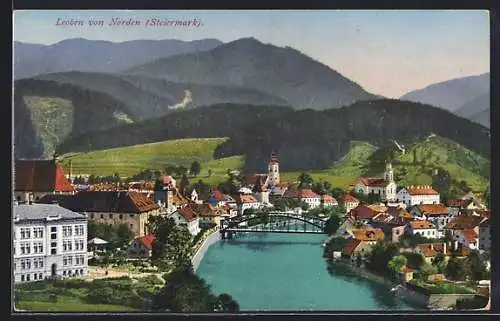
[(273, 169), (389, 173)]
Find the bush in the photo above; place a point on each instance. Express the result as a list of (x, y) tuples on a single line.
[(477, 302)]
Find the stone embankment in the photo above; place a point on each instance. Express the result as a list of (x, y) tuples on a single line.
[(200, 253)]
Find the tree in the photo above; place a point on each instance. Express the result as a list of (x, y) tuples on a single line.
[(397, 263), (124, 234), (304, 206), (209, 172), (226, 303), (305, 180), (332, 224), (415, 260), (439, 261), (456, 269), (425, 270), (338, 194), (476, 268), (184, 183), (411, 240), (169, 170), (185, 292), (172, 245), (195, 168), (319, 188), (380, 255)]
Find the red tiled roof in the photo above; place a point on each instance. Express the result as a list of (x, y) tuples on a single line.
[(362, 212), (458, 203), (147, 241), (432, 209), (421, 190), (407, 270), (464, 222), (431, 249), (470, 235), (300, 193), (41, 176), (219, 196), (421, 225), (243, 198), (372, 182), (328, 199), (111, 202), (188, 213), (374, 234), (251, 179), (351, 246), (350, 199), (378, 208)]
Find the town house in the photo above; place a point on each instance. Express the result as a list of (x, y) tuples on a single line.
[(244, 202), (416, 195), (457, 206), (350, 202), (361, 242), (423, 228), (465, 229), (328, 200), (393, 226), (141, 247), (361, 213), (305, 195), (484, 235), (186, 216), (208, 215), (436, 213), (430, 250), (49, 241), (36, 178), (116, 208)]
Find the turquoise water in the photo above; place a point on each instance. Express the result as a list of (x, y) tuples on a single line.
[(286, 272)]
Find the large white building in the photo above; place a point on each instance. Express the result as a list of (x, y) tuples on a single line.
[(416, 195), (385, 187), (48, 241)]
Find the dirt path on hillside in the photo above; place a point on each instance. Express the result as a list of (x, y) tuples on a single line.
[(100, 273)]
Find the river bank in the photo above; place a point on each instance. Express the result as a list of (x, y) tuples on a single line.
[(198, 256)]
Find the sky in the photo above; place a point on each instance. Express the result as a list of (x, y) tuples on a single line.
[(387, 52)]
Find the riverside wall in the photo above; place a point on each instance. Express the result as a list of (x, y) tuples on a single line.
[(432, 301), (211, 239)]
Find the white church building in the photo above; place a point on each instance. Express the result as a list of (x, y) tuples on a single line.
[(385, 186)]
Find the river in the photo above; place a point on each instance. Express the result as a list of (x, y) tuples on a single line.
[(286, 272)]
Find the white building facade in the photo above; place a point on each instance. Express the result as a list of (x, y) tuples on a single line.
[(48, 241), (384, 187), (416, 195)]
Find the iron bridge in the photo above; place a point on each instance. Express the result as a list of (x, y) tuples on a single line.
[(276, 223)]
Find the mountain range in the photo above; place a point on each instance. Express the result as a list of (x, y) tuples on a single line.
[(78, 54), (466, 97), (247, 63), (77, 97)]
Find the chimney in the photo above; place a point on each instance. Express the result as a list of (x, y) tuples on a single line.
[(444, 248), (455, 247)]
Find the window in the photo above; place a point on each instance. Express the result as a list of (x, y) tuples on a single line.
[(22, 278), (38, 232), (53, 236), (53, 251), (102, 215), (40, 276), (38, 247), (67, 230), (25, 248), (64, 273), (121, 217), (92, 216), (81, 271), (80, 230), (131, 226), (67, 245), (110, 215), (25, 233), (35, 276), (131, 215), (53, 229), (70, 260)]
